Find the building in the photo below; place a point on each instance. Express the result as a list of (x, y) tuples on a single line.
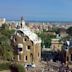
[(27, 45), (68, 48), (62, 32), (56, 44), (2, 21)]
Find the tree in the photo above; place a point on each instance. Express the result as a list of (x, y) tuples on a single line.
[(6, 51), (7, 32), (46, 39), (5, 48), (69, 31)]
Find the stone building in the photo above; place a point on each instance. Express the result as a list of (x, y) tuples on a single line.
[(68, 48), (56, 44), (2, 21), (62, 32), (27, 45)]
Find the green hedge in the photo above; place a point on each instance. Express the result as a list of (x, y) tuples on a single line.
[(20, 68), (12, 67), (4, 66)]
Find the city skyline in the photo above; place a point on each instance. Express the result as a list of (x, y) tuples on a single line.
[(51, 10)]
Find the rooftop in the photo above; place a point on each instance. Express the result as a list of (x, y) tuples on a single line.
[(32, 36)]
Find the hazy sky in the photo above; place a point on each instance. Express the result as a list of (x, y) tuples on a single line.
[(36, 9)]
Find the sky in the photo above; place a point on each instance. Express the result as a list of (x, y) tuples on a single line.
[(51, 10)]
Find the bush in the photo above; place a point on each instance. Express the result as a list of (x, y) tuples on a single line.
[(4, 66), (20, 68), (12, 67), (17, 68)]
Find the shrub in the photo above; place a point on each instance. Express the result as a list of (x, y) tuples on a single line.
[(20, 68), (17, 68), (4, 66)]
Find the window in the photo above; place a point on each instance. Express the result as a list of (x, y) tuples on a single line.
[(21, 25), (15, 39), (38, 54), (25, 39), (19, 49), (29, 47), (26, 57), (31, 55)]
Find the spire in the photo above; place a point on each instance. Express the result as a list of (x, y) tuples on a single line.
[(22, 22), (22, 18)]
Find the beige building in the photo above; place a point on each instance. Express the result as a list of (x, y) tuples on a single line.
[(2, 21), (27, 45), (69, 55), (56, 44), (68, 49), (63, 32)]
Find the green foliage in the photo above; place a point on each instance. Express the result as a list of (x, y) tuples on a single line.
[(46, 39), (5, 47), (17, 68), (57, 30), (20, 68), (4, 66), (69, 31), (12, 67), (6, 50), (7, 32)]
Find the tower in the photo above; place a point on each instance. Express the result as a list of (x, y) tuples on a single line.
[(22, 22)]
